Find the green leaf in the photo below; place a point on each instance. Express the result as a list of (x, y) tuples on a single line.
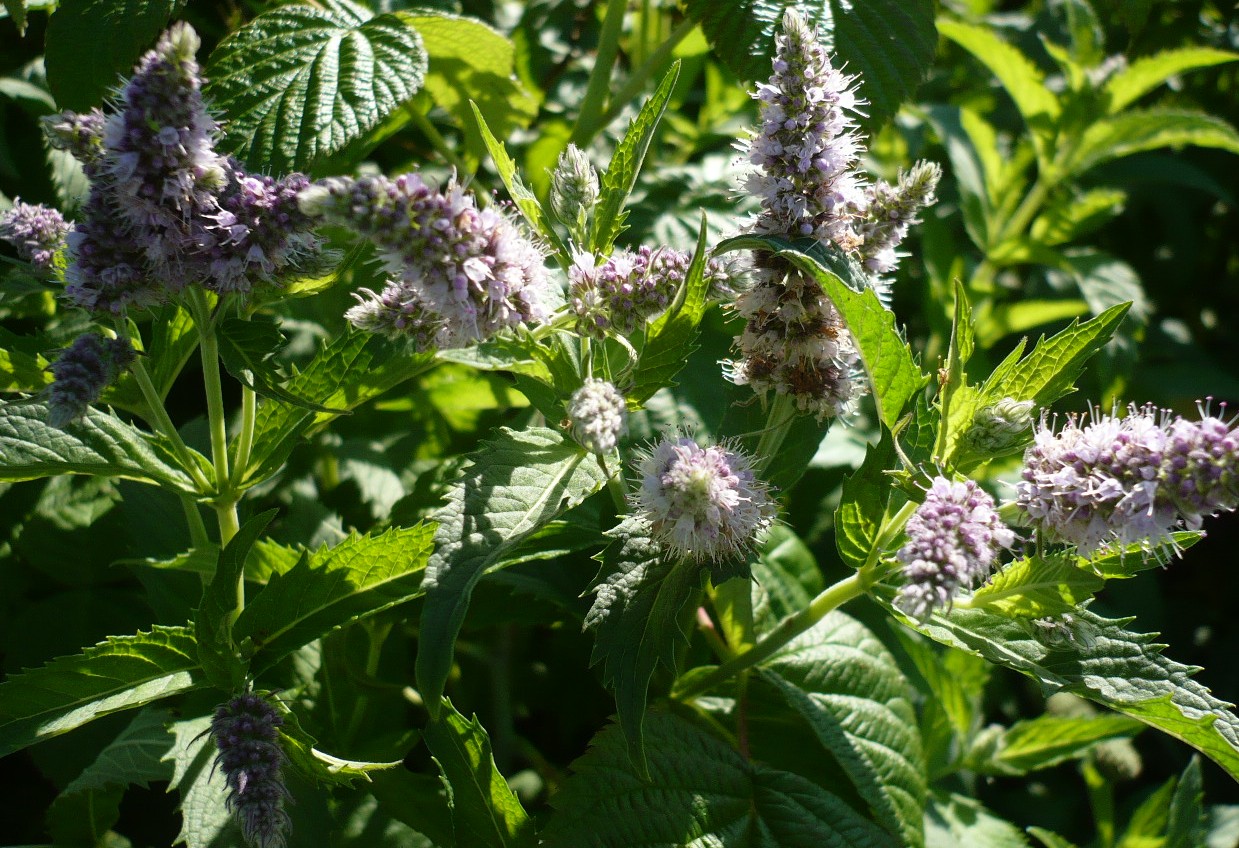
[(1020, 77), (173, 340), (1147, 73), (521, 195), (98, 444), (621, 175), (485, 811), (298, 83), (83, 68), (788, 576), (641, 599), (134, 757), (1048, 740), (1036, 587), (1185, 827), (866, 494), (889, 43), (322, 767), (23, 372), (354, 368), (468, 59), (1050, 839), (332, 587), (1147, 826), (204, 812), (955, 820), (700, 792), (119, 673), (893, 375), (1070, 214), (220, 606), (247, 348), (1049, 371), (17, 11), (514, 485), (671, 339), (1102, 661), (1135, 132), (848, 687)]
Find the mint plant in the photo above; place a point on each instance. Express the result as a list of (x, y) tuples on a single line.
[(468, 471)]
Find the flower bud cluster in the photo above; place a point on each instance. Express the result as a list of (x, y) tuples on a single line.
[(574, 189), (1129, 481), (598, 416), (459, 274), (81, 373), (246, 734), (37, 232), (1000, 427), (630, 287), (804, 172), (953, 542), (703, 503), (165, 210)]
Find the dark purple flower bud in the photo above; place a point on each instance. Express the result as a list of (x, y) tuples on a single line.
[(82, 372), (81, 135), (247, 736), (37, 232)]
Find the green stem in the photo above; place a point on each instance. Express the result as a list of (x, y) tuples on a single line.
[(778, 424), (588, 122), (639, 77), (162, 423), (788, 629), (197, 529), (376, 635), (437, 141), (245, 439), (226, 499)]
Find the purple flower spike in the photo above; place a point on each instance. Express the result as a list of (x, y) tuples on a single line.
[(598, 416), (703, 503), (37, 232), (953, 542), (81, 373), (1129, 481), (246, 733)]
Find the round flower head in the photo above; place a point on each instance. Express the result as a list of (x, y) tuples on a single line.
[(700, 502), (1129, 481), (247, 736), (36, 231), (953, 542), (459, 271), (598, 416), (81, 373)]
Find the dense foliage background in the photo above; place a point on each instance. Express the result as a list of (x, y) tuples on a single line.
[(82, 558)]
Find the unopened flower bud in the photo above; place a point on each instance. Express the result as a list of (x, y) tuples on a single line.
[(83, 371), (574, 190), (1003, 427), (598, 416), (1118, 759)]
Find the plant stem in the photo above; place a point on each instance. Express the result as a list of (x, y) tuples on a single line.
[(226, 499), (245, 439), (197, 529), (160, 420), (778, 422), (437, 141), (640, 76), (588, 122)]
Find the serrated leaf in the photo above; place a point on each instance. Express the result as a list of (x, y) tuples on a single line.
[(1048, 740), (1070, 214), (354, 368), (1135, 132), (323, 767), (1106, 663), (788, 575), (247, 348), (955, 820), (848, 687), (173, 340), (298, 83), (1148, 72), (641, 598), (83, 68), (119, 673), (700, 792), (217, 651), (134, 757), (621, 174), (485, 812), (23, 372), (469, 59), (332, 587), (671, 339), (98, 444), (893, 375), (866, 494), (1019, 77), (889, 43), (204, 812), (514, 485), (1047, 373), (1036, 587)]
